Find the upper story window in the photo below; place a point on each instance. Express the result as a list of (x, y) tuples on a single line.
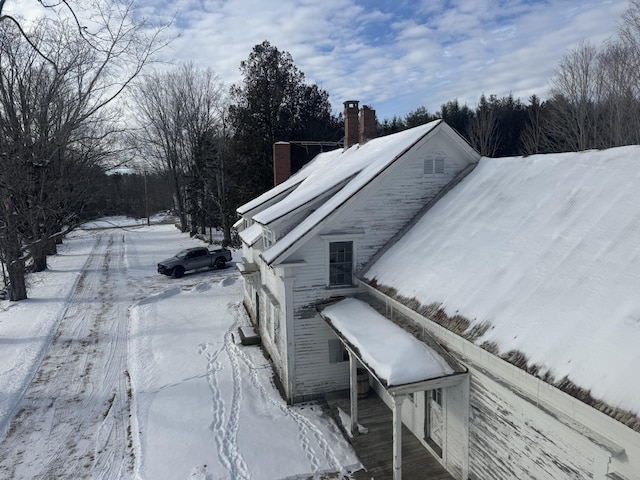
[(340, 263), (434, 165)]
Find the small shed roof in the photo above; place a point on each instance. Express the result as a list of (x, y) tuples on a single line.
[(394, 355), (252, 234)]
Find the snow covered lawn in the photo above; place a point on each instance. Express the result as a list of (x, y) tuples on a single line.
[(111, 370)]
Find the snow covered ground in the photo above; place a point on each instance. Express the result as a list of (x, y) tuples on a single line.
[(110, 370)]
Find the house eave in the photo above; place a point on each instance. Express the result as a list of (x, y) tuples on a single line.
[(431, 384), (254, 205)]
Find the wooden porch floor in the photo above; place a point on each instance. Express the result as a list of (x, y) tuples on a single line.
[(374, 448)]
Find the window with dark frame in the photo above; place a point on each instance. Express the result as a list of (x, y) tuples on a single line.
[(337, 352), (436, 396), (340, 263)]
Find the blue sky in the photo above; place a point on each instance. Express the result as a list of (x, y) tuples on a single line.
[(395, 55)]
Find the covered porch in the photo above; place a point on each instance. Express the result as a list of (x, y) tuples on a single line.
[(398, 362), (373, 449)]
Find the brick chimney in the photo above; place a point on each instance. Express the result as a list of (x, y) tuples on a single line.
[(350, 123), (281, 162), (368, 124)]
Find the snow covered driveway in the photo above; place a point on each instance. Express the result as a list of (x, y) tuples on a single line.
[(110, 370), (73, 418)]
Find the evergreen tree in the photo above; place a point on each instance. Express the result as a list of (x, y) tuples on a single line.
[(273, 103), (417, 117), (456, 116)]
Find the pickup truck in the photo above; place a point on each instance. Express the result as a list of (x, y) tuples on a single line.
[(192, 259)]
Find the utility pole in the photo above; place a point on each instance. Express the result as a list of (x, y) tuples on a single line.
[(146, 200)]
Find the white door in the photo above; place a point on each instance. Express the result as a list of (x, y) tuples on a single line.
[(433, 429)]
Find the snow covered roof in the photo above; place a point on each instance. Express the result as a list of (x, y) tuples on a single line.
[(330, 169), (326, 171), (273, 193), (545, 251), (395, 356), (365, 162), (325, 161), (251, 234)]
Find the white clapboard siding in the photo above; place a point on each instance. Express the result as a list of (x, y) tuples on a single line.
[(314, 373), (284, 224), (509, 440), (273, 315), (272, 283), (392, 200)]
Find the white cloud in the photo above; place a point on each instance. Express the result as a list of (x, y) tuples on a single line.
[(394, 56)]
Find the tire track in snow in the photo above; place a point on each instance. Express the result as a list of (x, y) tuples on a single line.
[(24, 422), (73, 418), (305, 426)]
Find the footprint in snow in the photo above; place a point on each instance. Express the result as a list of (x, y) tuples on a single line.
[(202, 287), (200, 473), (227, 281)]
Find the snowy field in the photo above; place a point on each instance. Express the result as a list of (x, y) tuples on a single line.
[(110, 370)]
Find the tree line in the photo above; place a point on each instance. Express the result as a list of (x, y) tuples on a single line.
[(200, 148), (593, 103)]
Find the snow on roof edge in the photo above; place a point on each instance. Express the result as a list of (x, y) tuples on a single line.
[(396, 356), (277, 211), (251, 234), (362, 179), (279, 189), (290, 183)]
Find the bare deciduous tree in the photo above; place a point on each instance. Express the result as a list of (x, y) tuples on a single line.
[(576, 93), (630, 33), (58, 85), (619, 100), (533, 137), (483, 132), (180, 113)]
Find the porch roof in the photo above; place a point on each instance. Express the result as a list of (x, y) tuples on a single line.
[(397, 358)]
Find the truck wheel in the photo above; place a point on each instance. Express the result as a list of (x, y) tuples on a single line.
[(220, 263), (178, 272)]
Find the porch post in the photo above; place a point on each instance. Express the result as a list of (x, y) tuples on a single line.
[(353, 383), (397, 436), (289, 337)]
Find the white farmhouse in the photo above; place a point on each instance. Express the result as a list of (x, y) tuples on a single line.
[(517, 280)]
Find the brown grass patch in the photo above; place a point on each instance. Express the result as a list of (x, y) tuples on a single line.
[(464, 328)]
